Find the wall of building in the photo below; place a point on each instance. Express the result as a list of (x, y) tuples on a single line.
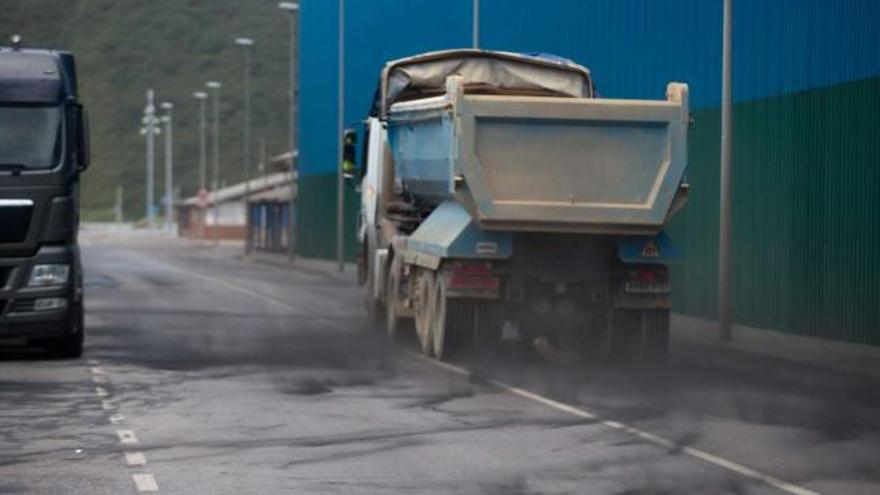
[(807, 91)]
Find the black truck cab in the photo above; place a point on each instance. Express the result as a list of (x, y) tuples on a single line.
[(44, 146)]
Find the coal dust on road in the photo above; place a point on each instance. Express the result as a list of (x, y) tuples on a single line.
[(207, 374)]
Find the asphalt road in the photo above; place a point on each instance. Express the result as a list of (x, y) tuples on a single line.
[(204, 374)]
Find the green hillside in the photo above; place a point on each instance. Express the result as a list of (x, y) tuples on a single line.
[(124, 47)]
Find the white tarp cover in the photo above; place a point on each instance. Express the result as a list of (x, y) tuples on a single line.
[(501, 71)]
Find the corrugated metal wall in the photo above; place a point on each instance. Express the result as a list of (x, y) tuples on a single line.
[(805, 159), (806, 214)]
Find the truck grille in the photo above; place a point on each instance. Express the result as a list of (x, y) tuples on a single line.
[(15, 217), (5, 271)]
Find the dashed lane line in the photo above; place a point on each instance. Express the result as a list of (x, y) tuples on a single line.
[(698, 454), (135, 458), (127, 437), (702, 455), (225, 283), (145, 482)]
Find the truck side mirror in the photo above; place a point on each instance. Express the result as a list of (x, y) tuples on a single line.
[(349, 145), (83, 146)]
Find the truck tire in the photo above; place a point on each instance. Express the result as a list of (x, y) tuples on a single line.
[(392, 300), (367, 279), (424, 306), (70, 346)]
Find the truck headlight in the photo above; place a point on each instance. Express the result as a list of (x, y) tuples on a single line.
[(49, 303), (44, 275)]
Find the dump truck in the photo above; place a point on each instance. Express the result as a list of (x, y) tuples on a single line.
[(44, 147), (501, 198)]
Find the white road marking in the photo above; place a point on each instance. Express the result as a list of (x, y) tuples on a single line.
[(145, 482), (127, 437), (135, 458), (735, 467), (704, 456)]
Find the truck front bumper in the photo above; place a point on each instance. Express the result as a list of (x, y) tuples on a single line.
[(24, 312)]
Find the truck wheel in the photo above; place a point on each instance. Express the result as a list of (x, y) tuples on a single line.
[(367, 278), (424, 305), (70, 346), (446, 316), (375, 311), (392, 300)]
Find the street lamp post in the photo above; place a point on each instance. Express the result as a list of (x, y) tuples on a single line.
[(215, 86), (168, 120), (149, 130), (203, 159), (340, 131), (725, 328), (476, 24), (293, 10), (202, 96), (247, 44)]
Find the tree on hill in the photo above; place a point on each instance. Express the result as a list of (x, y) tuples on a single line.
[(125, 47)]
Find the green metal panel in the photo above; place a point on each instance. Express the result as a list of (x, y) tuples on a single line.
[(316, 217), (806, 182)]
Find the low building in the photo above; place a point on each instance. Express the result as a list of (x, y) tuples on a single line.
[(221, 214), (269, 219)]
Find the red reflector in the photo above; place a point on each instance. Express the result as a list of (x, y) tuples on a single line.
[(646, 275), (472, 275), (466, 281)]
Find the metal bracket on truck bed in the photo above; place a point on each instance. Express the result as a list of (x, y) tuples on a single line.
[(449, 232)]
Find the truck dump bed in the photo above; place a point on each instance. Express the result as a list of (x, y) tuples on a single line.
[(547, 164)]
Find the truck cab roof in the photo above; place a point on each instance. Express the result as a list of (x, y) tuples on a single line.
[(38, 76)]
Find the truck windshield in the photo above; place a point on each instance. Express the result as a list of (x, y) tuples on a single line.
[(29, 136)]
